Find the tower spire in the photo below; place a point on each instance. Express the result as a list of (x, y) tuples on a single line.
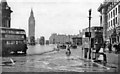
[(6, 13), (31, 13)]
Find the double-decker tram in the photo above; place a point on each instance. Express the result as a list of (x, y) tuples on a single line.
[(13, 41)]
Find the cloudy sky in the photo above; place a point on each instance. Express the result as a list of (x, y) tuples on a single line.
[(54, 16)]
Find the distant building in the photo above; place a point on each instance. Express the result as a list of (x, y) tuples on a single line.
[(37, 40), (47, 42), (77, 40), (52, 38), (5, 14), (110, 20), (31, 27), (42, 40), (60, 38)]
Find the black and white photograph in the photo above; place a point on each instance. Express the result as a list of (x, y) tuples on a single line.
[(59, 36)]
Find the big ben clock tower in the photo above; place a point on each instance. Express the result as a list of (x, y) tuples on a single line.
[(31, 27)]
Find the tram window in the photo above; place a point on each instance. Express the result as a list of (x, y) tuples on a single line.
[(16, 42), (8, 42), (9, 31), (3, 36), (12, 42), (21, 32), (94, 30), (2, 31), (119, 9), (6, 36), (12, 32), (17, 32), (19, 41), (22, 36)]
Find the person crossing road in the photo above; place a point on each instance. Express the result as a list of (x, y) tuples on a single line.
[(68, 52)]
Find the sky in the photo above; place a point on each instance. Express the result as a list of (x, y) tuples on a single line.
[(54, 16)]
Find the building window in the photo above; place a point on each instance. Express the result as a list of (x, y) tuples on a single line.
[(111, 22), (7, 23), (116, 20), (116, 11), (119, 9), (111, 14)]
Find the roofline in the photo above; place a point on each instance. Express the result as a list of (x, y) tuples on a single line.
[(100, 7), (11, 28)]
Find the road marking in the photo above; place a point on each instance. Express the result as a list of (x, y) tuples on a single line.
[(101, 65)]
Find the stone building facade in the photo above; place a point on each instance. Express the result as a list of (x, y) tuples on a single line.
[(60, 38), (110, 20), (5, 14)]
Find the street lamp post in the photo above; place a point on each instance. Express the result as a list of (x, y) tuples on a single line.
[(89, 33)]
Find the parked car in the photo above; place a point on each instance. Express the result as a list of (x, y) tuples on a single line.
[(73, 46), (62, 46)]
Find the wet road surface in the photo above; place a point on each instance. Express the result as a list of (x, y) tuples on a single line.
[(53, 62)]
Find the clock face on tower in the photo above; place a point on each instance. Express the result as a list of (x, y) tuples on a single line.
[(7, 7), (31, 22)]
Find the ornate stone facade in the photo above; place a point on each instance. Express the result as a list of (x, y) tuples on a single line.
[(110, 20), (5, 14)]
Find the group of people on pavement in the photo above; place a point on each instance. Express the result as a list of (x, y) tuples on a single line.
[(116, 46), (113, 47), (99, 48)]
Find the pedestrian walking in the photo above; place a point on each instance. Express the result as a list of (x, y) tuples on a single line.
[(85, 49), (97, 48), (101, 53), (58, 47)]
